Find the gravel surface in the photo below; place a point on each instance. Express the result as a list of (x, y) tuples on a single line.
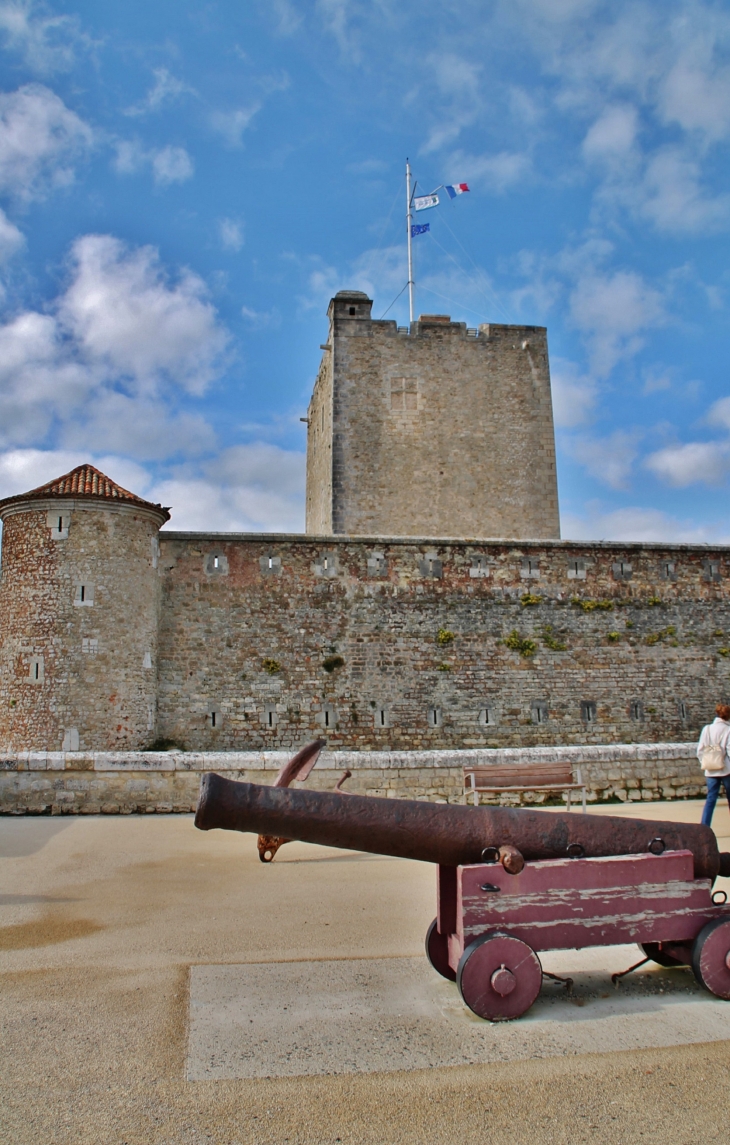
[(101, 919)]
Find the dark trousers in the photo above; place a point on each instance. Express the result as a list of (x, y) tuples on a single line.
[(713, 790)]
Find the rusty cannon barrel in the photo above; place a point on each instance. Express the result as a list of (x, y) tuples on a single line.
[(440, 833)]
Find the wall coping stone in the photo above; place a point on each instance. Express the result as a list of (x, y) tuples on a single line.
[(169, 761)]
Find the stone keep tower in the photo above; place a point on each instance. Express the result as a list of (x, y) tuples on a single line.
[(436, 431), (79, 601)]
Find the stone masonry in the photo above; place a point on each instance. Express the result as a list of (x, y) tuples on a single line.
[(406, 653), (79, 621), (419, 645), (64, 783), (436, 430)]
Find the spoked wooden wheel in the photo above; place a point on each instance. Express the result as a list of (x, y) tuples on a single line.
[(711, 957), (437, 952), (499, 977)]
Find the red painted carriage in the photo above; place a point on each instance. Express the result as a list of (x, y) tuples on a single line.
[(491, 924)]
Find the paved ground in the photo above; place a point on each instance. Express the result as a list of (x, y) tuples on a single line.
[(101, 920)]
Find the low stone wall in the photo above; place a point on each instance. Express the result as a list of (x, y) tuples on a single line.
[(67, 783)]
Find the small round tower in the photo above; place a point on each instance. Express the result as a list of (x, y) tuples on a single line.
[(79, 608)]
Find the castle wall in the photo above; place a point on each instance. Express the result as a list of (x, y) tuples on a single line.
[(400, 644), (436, 431), (319, 451), (78, 641), (95, 783)]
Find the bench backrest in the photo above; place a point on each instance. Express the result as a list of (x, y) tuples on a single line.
[(519, 775)]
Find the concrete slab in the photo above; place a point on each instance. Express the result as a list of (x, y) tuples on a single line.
[(365, 1016)]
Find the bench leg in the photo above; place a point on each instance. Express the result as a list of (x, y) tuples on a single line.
[(583, 800)]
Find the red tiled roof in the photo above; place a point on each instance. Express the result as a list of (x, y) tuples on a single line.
[(87, 482)]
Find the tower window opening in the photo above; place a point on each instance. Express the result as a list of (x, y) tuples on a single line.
[(434, 717), (271, 562), (636, 710), (82, 592), (60, 524), (270, 721), (216, 562), (588, 711), (36, 671), (539, 712), (352, 310)]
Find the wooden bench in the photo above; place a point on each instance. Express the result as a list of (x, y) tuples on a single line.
[(520, 777)]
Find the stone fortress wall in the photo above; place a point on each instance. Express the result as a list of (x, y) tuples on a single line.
[(79, 623), (436, 430), (416, 645), (92, 783), (406, 652)]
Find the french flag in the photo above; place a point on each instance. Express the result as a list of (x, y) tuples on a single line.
[(456, 189)]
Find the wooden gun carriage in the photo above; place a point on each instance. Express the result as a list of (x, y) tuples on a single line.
[(512, 882), (491, 924)]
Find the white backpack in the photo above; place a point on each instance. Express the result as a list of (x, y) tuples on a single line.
[(712, 755)]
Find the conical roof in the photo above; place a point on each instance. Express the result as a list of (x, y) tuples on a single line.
[(86, 483)]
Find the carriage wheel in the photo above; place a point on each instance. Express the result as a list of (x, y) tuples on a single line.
[(711, 957), (437, 952), (652, 950), (499, 977)]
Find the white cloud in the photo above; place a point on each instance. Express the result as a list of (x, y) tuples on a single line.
[(40, 141), (46, 43), (232, 124), (11, 239), (231, 233), (166, 90), (126, 315), (612, 137), (249, 488), (609, 459), (496, 172), (261, 319), (106, 366), (693, 462), (172, 165), (335, 15), (168, 164), (458, 83), (671, 195), (696, 92), (613, 310), (138, 426), (719, 413), (288, 19), (574, 394), (639, 524)]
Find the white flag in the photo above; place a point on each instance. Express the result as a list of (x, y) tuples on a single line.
[(423, 202)]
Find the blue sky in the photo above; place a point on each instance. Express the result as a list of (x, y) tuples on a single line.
[(184, 186)]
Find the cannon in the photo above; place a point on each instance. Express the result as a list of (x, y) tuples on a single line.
[(513, 882)]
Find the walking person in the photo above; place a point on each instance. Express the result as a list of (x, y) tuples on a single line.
[(713, 752)]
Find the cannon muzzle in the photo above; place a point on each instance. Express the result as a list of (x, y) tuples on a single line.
[(440, 833)]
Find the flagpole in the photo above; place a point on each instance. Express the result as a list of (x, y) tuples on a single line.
[(409, 217)]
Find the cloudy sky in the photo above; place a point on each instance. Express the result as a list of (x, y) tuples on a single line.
[(184, 186)]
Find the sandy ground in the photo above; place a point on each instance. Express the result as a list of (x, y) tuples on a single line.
[(101, 919)]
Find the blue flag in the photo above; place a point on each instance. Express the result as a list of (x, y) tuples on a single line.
[(419, 230)]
